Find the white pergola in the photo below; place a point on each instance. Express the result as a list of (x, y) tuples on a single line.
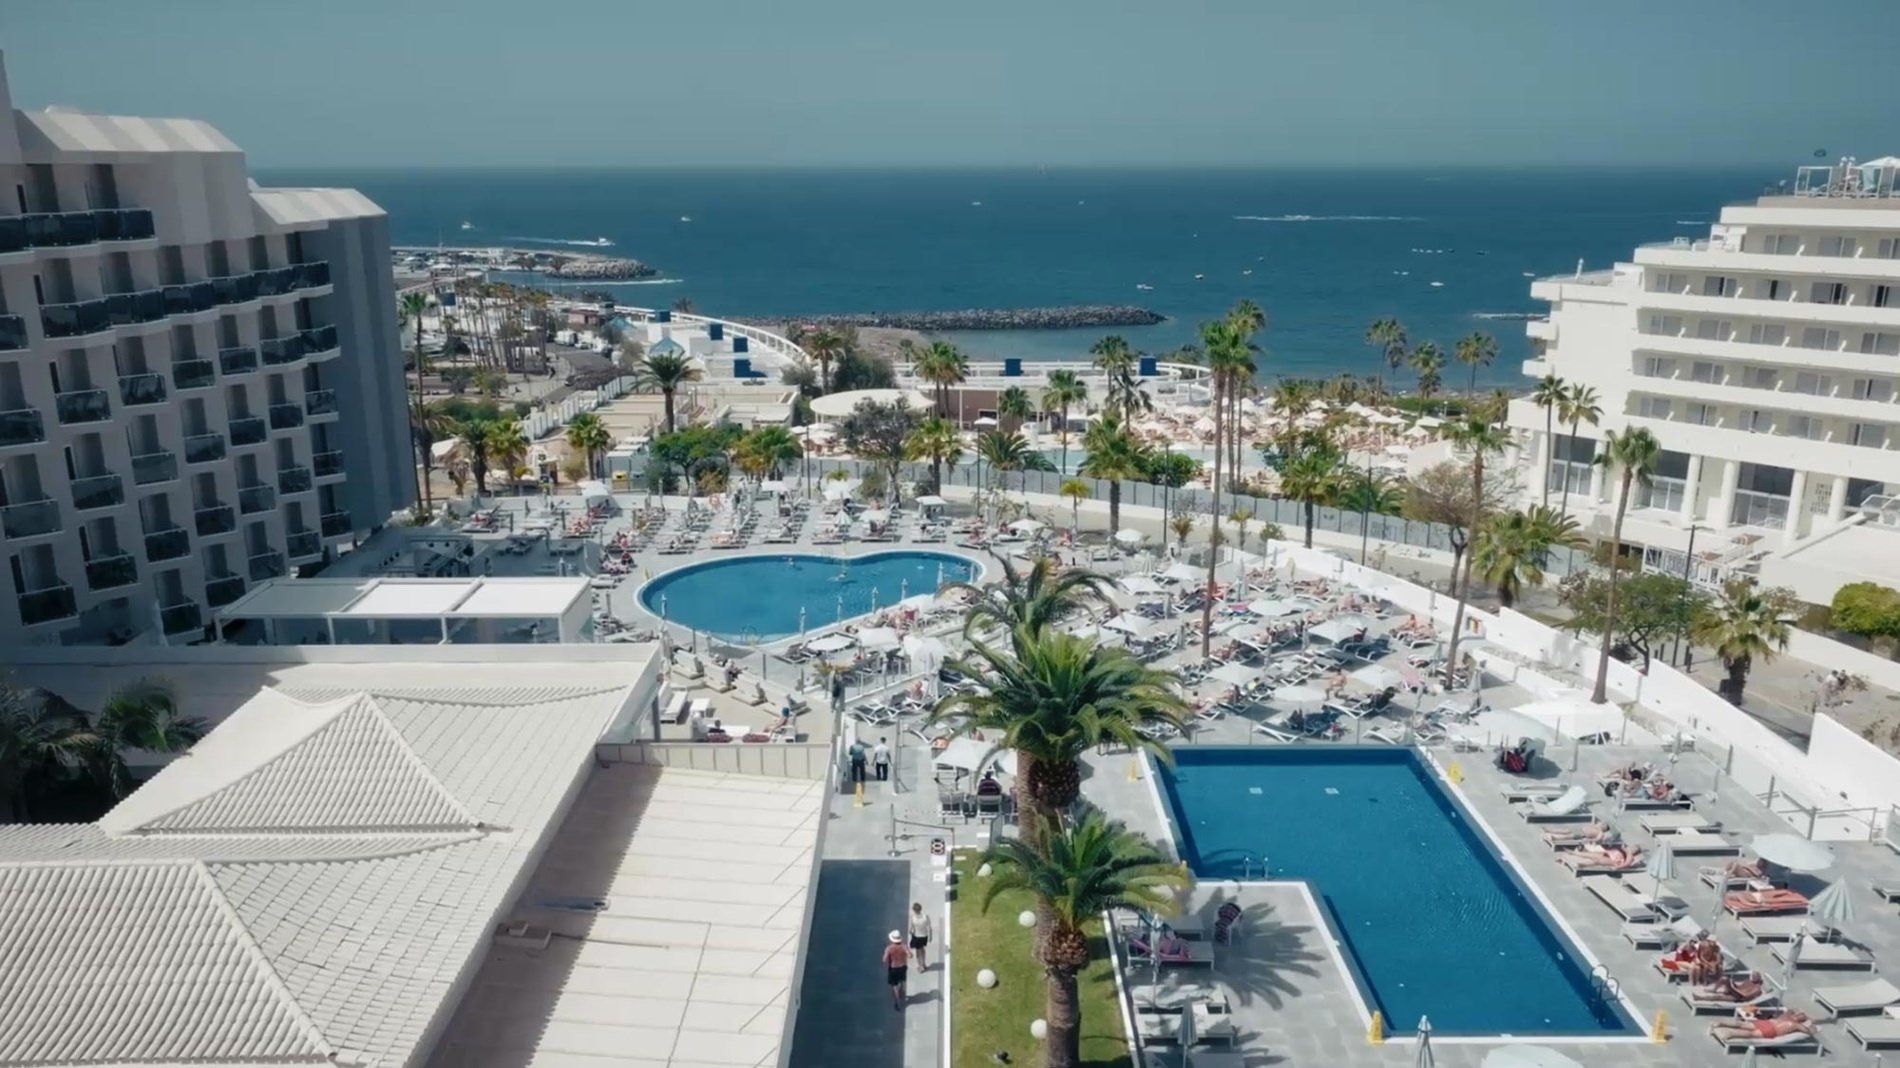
[(531, 609)]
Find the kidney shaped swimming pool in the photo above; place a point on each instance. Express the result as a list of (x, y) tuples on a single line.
[(764, 595)]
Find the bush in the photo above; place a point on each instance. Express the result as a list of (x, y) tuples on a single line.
[(1867, 609), (523, 409)]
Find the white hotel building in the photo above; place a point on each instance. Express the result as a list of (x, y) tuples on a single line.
[(200, 384), (1766, 360)]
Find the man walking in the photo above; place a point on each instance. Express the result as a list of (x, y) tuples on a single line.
[(881, 759), (896, 968), (857, 753)]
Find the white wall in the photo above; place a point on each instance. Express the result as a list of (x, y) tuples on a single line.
[(1816, 649)]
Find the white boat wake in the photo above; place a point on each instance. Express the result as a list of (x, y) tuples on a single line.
[(593, 242), (1330, 218)]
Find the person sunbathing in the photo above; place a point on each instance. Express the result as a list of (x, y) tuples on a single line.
[(1745, 868), (1595, 832), (1661, 789), (1778, 1026), (1604, 856), (1170, 945), (1732, 988), (1771, 900)]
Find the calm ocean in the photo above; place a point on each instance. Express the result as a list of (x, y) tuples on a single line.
[(1328, 251)]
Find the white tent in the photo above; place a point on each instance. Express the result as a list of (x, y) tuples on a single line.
[(875, 515), (772, 486), (926, 654), (931, 500), (1026, 526), (1128, 537), (841, 489), (879, 639), (1141, 585), (1084, 630), (1180, 572), (919, 602), (593, 490), (831, 643), (1378, 677), (1131, 625), (1234, 674), (1333, 630), (1270, 608), (983, 420), (1573, 716)]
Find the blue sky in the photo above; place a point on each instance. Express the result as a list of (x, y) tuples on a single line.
[(979, 82)]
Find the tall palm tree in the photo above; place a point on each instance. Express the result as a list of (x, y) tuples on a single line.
[(774, 448), (664, 373), (1313, 473), (1549, 395), (1481, 439), (1111, 454), (1249, 319), (1742, 626), (1474, 351), (1635, 453), (1121, 365), (1240, 517), (143, 716), (1006, 452), (1370, 493), (475, 435), (683, 305), (429, 422), (1388, 336), (942, 365), (1064, 390), (507, 446), (41, 735), (587, 435), (410, 308), (1509, 551), (936, 441), (1076, 491), (825, 344), (1428, 361), (1228, 344), (1074, 876), (1579, 406), (1026, 603), (1014, 403)]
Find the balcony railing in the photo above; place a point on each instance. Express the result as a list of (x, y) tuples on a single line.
[(303, 543), (282, 350), (286, 416), (255, 499), (12, 332), (75, 319), (320, 402), (235, 289), (194, 374), (215, 519), (167, 544), (1754, 509), (148, 388), (69, 229), (247, 431), (130, 309), (327, 464), (204, 448), (266, 566), (111, 572), (237, 361), (152, 467), (336, 524), (22, 426), (223, 590), (47, 605), (30, 518), (310, 275), (190, 297), (319, 339), (82, 406), (179, 618), (98, 491), (293, 480)]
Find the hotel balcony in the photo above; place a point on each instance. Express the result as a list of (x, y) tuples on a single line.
[(194, 374), (1801, 311), (131, 309), (266, 566), (74, 229), (148, 388), (179, 618), (111, 572), (235, 289), (278, 351), (286, 416), (215, 519), (12, 333), (82, 406), (204, 448), (247, 431), (303, 544), (99, 491), (223, 590), (190, 298), (1700, 255), (47, 606), (75, 319), (22, 426), (337, 525), (30, 519), (320, 402), (255, 499), (293, 480), (167, 544), (327, 464), (154, 467), (237, 361), (1766, 510)]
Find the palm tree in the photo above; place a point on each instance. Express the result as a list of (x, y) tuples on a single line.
[(1579, 406), (1121, 364), (429, 422), (1249, 319), (1509, 551), (1074, 876), (1741, 627), (1026, 603), (1014, 403), (773, 447), (683, 305), (1111, 454), (1635, 453), (507, 446), (474, 433), (1240, 517), (665, 373), (1388, 336), (935, 440), (1549, 395), (942, 365), (143, 716), (1314, 475), (587, 435), (41, 736), (825, 344), (1076, 491), (1428, 360), (1480, 438), (1064, 390), (1006, 452), (1475, 351), (410, 308)]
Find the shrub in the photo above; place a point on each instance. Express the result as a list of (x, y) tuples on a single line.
[(1867, 609)]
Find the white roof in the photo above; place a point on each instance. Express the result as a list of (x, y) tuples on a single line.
[(307, 885), (67, 131), (839, 405), (531, 597), (404, 598), (291, 208)]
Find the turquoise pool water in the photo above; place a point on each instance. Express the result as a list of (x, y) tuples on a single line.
[(763, 596), (1430, 919)]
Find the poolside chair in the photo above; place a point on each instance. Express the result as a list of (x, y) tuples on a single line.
[(1580, 865), (1624, 899), (1532, 791), (1190, 952), (1700, 1004), (1888, 892), (1662, 935), (1573, 805), (1761, 929), (1657, 822), (1874, 995), (1698, 843), (1166, 1027), (1763, 902), (1789, 1043), (1836, 956), (1674, 802)]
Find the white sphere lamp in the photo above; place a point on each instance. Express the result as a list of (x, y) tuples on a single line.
[(1038, 1029), (986, 979), (1027, 918)]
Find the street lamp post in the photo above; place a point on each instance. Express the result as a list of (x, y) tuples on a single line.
[(1167, 488), (1688, 573), (1365, 514)]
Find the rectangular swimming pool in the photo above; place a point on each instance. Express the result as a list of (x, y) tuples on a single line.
[(1430, 919)]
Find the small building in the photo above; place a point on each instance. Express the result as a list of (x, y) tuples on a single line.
[(409, 611)]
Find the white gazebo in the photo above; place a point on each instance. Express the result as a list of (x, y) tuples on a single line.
[(409, 611)]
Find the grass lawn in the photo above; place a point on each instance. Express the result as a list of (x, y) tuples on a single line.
[(984, 1021)]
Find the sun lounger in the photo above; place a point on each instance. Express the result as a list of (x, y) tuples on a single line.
[(1581, 865), (1272, 728), (1623, 898), (1645, 803), (1698, 843), (1870, 996), (1777, 928), (1837, 956), (1192, 952), (1763, 902), (1662, 935), (1880, 1033), (1701, 1005), (1788, 1043), (1546, 812), (1889, 893), (1166, 1027), (1532, 791), (1657, 822)]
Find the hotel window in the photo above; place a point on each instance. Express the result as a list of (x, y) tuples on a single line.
[(1762, 378), (1817, 337), (1774, 290), (1704, 371), (1780, 244), (1814, 385), (1890, 248), (1880, 344), (1768, 334), (1653, 407), (1671, 283), (1886, 296), (1827, 293), (1869, 435), (1666, 325), (1702, 414), (1838, 246), (1873, 389), (1805, 426), (1757, 421), (1658, 367), (1714, 329), (1717, 285)]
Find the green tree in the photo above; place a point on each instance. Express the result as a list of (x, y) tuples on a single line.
[(409, 309), (42, 738), (1635, 454), (827, 345), (1388, 336), (587, 435), (1165, 467), (1074, 876), (429, 422), (1121, 365), (1474, 351), (1112, 455), (1744, 625), (1076, 491), (772, 449), (1370, 493), (936, 442), (1014, 403), (1240, 517), (1065, 389), (142, 716), (1549, 395), (1428, 362), (506, 445), (1006, 452), (1480, 439), (1026, 603), (1579, 406), (1509, 551), (665, 373), (942, 365), (1314, 473), (683, 305), (1867, 609), (879, 432), (1650, 607)]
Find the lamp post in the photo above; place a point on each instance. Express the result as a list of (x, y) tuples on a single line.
[(1167, 485), (1365, 515), (1688, 572)]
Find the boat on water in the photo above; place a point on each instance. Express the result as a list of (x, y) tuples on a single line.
[(1143, 285), (1198, 277), (686, 218), (1438, 285), (1246, 270), (468, 225), (599, 242)]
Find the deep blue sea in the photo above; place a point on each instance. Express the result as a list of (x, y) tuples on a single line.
[(1328, 251)]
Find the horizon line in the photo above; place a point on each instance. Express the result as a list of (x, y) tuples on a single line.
[(1032, 167)]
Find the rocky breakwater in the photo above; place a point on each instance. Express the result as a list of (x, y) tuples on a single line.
[(596, 269), (1070, 317)]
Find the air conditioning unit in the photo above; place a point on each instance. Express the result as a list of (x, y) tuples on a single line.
[(522, 935)]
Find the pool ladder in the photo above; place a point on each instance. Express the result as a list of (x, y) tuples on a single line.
[(1604, 984), (1246, 866)]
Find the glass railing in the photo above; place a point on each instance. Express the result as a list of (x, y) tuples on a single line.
[(98, 491), (75, 319), (161, 466), (147, 388), (293, 480), (249, 431), (266, 566), (320, 402), (326, 464), (319, 339), (60, 229), (302, 543), (113, 571), (235, 289), (310, 275), (282, 350), (336, 524), (167, 544), (67, 229), (22, 426), (190, 297), (47, 605), (178, 618), (238, 360), (194, 374), (30, 518), (255, 499), (12, 332), (223, 590), (124, 224), (145, 306), (215, 519), (286, 416), (274, 282), (204, 448), (1752, 509), (82, 406)]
